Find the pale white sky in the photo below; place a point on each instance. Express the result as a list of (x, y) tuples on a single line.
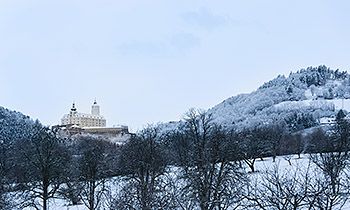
[(150, 61)]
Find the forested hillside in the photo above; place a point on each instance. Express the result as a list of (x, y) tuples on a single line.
[(298, 101)]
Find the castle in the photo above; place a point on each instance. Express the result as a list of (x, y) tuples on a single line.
[(82, 123), (84, 120)]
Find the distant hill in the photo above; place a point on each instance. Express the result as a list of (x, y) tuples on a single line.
[(299, 100)]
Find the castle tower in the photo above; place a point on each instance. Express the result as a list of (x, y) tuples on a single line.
[(73, 110), (95, 109)]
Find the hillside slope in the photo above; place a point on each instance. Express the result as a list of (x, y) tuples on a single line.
[(298, 100)]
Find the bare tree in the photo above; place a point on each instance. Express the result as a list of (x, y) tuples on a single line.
[(42, 161), (340, 133), (331, 160), (207, 171), (93, 170), (143, 162), (331, 190), (274, 134), (280, 190), (298, 144), (318, 141), (254, 144), (291, 144)]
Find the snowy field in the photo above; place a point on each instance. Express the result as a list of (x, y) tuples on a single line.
[(341, 104), (336, 104), (261, 166)]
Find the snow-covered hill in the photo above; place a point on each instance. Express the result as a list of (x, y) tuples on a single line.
[(305, 96)]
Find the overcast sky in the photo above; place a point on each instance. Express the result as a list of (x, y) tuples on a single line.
[(150, 61)]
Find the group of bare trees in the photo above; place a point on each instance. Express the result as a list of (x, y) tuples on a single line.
[(315, 184), (143, 163), (42, 165), (199, 165), (195, 166), (42, 160), (321, 183), (208, 167)]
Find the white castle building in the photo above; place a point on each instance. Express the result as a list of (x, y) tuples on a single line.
[(84, 120), (76, 123)]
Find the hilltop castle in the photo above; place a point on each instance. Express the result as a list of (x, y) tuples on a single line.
[(84, 120), (82, 123)]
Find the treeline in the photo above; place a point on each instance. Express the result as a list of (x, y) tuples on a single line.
[(317, 76), (198, 165), (320, 80)]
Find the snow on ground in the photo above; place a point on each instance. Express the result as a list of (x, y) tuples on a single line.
[(283, 166), (60, 204), (341, 104), (260, 167), (316, 104), (336, 104), (308, 94)]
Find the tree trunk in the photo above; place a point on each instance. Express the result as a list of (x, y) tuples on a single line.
[(251, 166), (45, 193), (92, 196)]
